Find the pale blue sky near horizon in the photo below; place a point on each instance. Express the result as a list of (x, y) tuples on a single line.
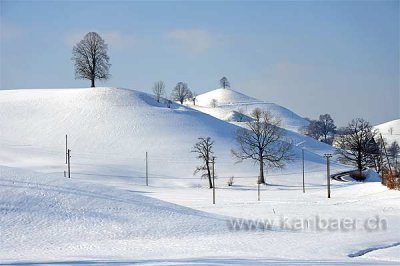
[(313, 57)]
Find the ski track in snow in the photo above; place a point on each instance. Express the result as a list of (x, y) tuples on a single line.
[(368, 250)]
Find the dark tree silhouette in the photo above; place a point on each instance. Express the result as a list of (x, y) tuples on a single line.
[(224, 83), (181, 92), (357, 144), (323, 129), (394, 150), (90, 58), (327, 128), (203, 149), (263, 142)]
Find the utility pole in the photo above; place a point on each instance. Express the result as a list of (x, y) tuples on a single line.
[(213, 176), (66, 149), (258, 188), (302, 153), (147, 171), (69, 162), (302, 157), (327, 156)]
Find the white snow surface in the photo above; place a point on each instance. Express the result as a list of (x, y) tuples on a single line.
[(105, 214), (229, 100), (390, 130), (109, 132)]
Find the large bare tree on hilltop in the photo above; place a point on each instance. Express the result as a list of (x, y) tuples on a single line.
[(90, 58), (224, 83), (181, 92)]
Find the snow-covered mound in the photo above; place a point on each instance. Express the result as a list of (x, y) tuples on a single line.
[(223, 97), (227, 100), (109, 132), (105, 214), (390, 130)]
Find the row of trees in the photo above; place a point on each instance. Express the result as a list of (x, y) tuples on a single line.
[(265, 143), (181, 91), (360, 145), (91, 61)]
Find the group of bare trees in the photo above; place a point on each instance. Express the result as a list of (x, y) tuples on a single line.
[(360, 145), (93, 63), (323, 129), (262, 141), (181, 92), (357, 145)]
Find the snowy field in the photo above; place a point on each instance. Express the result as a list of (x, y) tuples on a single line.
[(105, 214)]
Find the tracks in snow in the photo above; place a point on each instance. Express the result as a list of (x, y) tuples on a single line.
[(368, 250)]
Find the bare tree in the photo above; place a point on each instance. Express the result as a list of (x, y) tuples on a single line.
[(357, 145), (181, 92), (224, 83), (214, 103), (313, 129), (374, 155), (203, 149), (323, 129), (263, 142), (90, 58), (159, 89), (394, 150), (327, 128)]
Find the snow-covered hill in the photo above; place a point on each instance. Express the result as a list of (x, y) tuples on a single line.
[(105, 214), (390, 130), (109, 132), (228, 102)]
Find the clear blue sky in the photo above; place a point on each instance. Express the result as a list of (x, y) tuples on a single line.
[(313, 57)]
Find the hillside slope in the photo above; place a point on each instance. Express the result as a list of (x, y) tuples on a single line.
[(229, 101), (109, 132), (390, 130), (105, 214)]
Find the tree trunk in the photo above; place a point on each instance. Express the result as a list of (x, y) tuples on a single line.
[(209, 175), (92, 80), (359, 163), (261, 179)]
